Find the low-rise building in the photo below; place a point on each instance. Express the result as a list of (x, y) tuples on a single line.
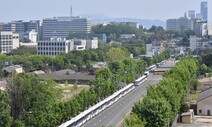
[(127, 36), (8, 41), (13, 68), (204, 103), (153, 50), (60, 45), (200, 43)]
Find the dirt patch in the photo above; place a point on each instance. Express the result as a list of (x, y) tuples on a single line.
[(69, 90)]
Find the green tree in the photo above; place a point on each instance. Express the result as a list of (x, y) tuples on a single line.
[(5, 118), (116, 54), (133, 121), (156, 112)]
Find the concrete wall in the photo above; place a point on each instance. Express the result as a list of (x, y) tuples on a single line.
[(205, 105)]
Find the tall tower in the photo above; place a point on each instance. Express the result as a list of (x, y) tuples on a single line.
[(204, 10), (71, 12), (191, 14)]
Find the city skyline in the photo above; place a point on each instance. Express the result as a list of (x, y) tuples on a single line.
[(161, 10)]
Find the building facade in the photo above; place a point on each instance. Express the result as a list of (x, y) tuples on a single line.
[(153, 50), (200, 43), (200, 28), (204, 10), (210, 29), (55, 46), (191, 14), (21, 27), (182, 23), (131, 24), (61, 27), (33, 36), (8, 41), (204, 103)]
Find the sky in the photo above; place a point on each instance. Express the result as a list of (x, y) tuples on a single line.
[(140, 9)]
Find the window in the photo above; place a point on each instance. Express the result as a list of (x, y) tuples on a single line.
[(200, 111)]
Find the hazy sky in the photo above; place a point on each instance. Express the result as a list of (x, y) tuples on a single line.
[(142, 9)]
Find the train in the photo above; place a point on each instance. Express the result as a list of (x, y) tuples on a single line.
[(88, 114)]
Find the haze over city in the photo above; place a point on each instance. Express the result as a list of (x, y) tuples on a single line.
[(141, 9)]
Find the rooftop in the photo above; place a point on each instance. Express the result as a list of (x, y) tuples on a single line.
[(205, 94), (12, 68)]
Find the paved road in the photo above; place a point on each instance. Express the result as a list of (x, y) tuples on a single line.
[(114, 114)]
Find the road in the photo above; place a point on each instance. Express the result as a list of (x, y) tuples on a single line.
[(113, 116)]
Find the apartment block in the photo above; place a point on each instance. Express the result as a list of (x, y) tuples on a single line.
[(8, 41)]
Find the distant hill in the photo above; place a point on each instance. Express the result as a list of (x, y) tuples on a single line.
[(101, 18)]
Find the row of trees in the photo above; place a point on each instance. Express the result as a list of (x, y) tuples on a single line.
[(31, 101), (164, 101)]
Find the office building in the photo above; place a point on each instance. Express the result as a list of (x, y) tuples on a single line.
[(191, 14), (200, 28), (200, 43), (55, 46), (204, 10), (182, 23), (8, 41), (61, 27), (22, 28)]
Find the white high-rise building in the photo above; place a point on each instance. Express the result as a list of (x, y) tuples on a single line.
[(8, 41), (33, 36)]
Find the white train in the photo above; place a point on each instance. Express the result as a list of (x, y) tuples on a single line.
[(86, 115)]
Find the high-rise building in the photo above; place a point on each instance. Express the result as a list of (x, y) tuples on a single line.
[(179, 24), (8, 41), (61, 27), (204, 10), (191, 14), (200, 28), (22, 28), (1, 26)]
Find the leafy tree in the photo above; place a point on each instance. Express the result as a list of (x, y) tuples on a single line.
[(133, 121), (203, 69), (116, 54), (5, 118), (156, 112)]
